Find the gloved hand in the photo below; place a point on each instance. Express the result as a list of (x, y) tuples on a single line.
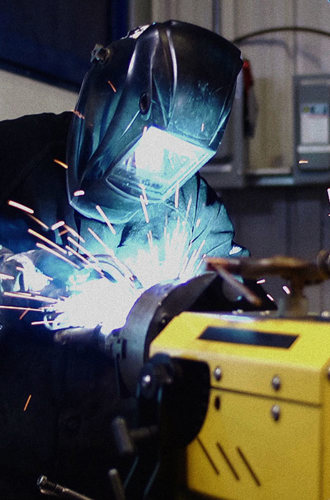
[(95, 299), (36, 271), (19, 272)]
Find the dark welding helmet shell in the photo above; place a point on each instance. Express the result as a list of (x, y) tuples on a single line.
[(173, 76)]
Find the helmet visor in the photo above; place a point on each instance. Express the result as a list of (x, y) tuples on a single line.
[(158, 164)]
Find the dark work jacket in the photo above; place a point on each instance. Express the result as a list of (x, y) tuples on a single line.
[(57, 402)]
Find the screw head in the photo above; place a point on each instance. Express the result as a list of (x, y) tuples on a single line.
[(276, 382), (275, 412), (217, 373)]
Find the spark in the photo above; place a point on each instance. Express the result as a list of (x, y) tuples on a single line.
[(121, 266), (168, 256), (96, 236), (286, 289), (27, 402), (4, 276), (303, 161), (20, 206), (198, 222), (47, 240), (112, 86), (328, 191), (77, 113), (79, 192), (127, 273), (20, 308), (192, 261), (78, 255), (74, 233), (270, 297), (57, 225), (203, 127), (81, 248), (188, 207), (61, 163), (50, 250), (105, 218), (131, 122), (144, 208), (41, 322), (261, 281), (149, 237), (24, 313), (176, 196), (144, 193), (28, 296), (38, 221), (85, 261), (200, 262)]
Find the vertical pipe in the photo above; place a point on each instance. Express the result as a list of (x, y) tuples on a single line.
[(216, 16)]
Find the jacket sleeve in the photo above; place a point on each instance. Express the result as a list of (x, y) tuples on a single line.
[(212, 230)]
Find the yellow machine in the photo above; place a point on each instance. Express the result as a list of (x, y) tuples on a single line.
[(243, 396), (266, 434)]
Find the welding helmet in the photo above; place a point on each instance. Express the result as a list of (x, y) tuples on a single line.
[(151, 112)]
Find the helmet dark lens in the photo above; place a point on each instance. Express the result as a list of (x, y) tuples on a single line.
[(145, 103)]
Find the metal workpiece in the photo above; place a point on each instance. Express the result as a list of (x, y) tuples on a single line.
[(298, 272), (78, 336), (150, 314)]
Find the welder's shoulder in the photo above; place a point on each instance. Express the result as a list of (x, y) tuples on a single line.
[(25, 135), (201, 192), (24, 143)]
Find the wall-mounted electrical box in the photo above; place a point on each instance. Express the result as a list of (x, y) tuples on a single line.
[(311, 129)]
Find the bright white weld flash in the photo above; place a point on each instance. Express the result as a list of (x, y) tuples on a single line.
[(161, 252), (102, 302), (95, 302)]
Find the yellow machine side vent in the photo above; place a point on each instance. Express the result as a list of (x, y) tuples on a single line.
[(229, 462)]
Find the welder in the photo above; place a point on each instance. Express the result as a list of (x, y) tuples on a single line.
[(152, 110)]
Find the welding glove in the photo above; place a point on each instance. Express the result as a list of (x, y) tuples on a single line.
[(19, 273), (33, 271)]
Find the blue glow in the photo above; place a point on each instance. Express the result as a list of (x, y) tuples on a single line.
[(160, 162), (103, 302)]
